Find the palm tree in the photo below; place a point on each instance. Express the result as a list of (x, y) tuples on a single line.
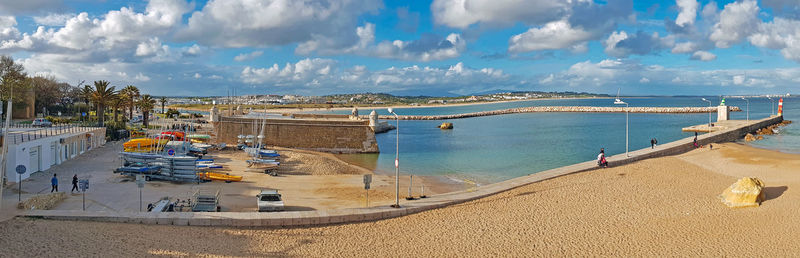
[(101, 95), (163, 101), (116, 103), (130, 94), (146, 103)]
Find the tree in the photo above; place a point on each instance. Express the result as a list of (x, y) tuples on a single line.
[(116, 103), (146, 103), (101, 95), (130, 94), (48, 93), (163, 101), (13, 78)]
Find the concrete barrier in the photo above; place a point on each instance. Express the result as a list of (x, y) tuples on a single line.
[(326, 217)]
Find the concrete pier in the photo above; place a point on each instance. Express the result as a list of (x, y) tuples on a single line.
[(571, 109)]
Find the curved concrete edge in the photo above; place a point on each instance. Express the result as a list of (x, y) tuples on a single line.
[(327, 217)]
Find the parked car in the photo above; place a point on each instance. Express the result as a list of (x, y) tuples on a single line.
[(41, 122), (269, 200)]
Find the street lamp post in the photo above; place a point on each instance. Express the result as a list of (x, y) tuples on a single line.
[(709, 113), (748, 108), (620, 102), (396, 162)]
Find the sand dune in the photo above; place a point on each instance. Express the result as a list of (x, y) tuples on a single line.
[(663, 206)]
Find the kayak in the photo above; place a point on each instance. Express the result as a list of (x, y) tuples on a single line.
[(219, 177)]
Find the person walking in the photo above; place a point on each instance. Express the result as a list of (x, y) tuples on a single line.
[(54, 184), (695, 140), (655, 142), (652, 143), (74, 183)]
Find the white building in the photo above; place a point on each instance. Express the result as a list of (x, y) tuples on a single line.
[(39, 149)]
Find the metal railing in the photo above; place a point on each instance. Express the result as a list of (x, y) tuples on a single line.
[(16, 137)]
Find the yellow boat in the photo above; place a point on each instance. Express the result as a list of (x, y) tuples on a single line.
[(144, 144), (219, 176)]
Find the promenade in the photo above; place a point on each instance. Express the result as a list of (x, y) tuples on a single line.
[(323, 217), (568, 109)]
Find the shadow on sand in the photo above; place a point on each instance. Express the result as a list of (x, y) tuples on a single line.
[(774, 192)]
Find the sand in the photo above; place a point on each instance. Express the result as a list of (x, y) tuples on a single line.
[(307, 180), (658, 207)]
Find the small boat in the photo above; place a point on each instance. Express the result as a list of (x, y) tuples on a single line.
[(219, 177), (177, 135)]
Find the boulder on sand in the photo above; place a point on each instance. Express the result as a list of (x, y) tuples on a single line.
[(746, 192)]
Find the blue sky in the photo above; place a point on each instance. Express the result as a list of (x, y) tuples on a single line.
[(440, 47)]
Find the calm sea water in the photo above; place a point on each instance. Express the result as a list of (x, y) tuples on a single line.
[(495, 148)]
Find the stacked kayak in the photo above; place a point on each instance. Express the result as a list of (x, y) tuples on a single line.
[(144, 145)]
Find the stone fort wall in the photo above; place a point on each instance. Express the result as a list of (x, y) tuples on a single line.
[(345, 136)]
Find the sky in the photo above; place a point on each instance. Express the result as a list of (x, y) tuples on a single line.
[(439, 47)]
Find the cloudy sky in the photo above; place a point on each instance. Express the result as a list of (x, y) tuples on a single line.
[(317, 47)]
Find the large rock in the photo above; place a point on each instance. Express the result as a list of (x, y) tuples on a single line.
[(446, 126), (42, 201), (747, 192), (749, 138)]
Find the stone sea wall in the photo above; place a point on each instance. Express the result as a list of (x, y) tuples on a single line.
[(575, 109), (335, 136)]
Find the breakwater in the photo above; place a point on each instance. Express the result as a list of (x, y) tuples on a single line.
[(572, 109)]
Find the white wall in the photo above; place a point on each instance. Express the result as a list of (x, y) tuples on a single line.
[(19, 154)]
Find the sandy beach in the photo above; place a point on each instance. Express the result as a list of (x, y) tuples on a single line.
[(659, 207)]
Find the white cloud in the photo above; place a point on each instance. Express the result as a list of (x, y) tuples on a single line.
[(703, 56), (141, 77), (783, 34), (620, 44), (553, 35), (248, 56), (463, 13), (584, 21), (244, 23), (738, 79), (323, 74), (151, 47), (53, 19), (428, 47), (688, 12), (736, 21), (197, 75), (685, 47)]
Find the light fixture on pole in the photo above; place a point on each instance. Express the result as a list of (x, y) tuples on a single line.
[(772, 105), (709, 113), (748, 108), (620, 102), (396, 162)]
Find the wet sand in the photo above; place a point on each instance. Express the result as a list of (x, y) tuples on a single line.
[(659, 207)]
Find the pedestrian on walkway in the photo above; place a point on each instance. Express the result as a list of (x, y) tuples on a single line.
[(54, 184), (74, 183), (652, 143)]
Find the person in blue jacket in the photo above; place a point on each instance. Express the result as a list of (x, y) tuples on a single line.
[(54, 183)]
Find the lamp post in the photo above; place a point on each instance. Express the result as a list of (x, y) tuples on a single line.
[(709, 113), (772, 105), (748, 108), (620, 102), (396, 162)]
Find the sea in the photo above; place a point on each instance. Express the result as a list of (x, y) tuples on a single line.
[(496, 148)]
